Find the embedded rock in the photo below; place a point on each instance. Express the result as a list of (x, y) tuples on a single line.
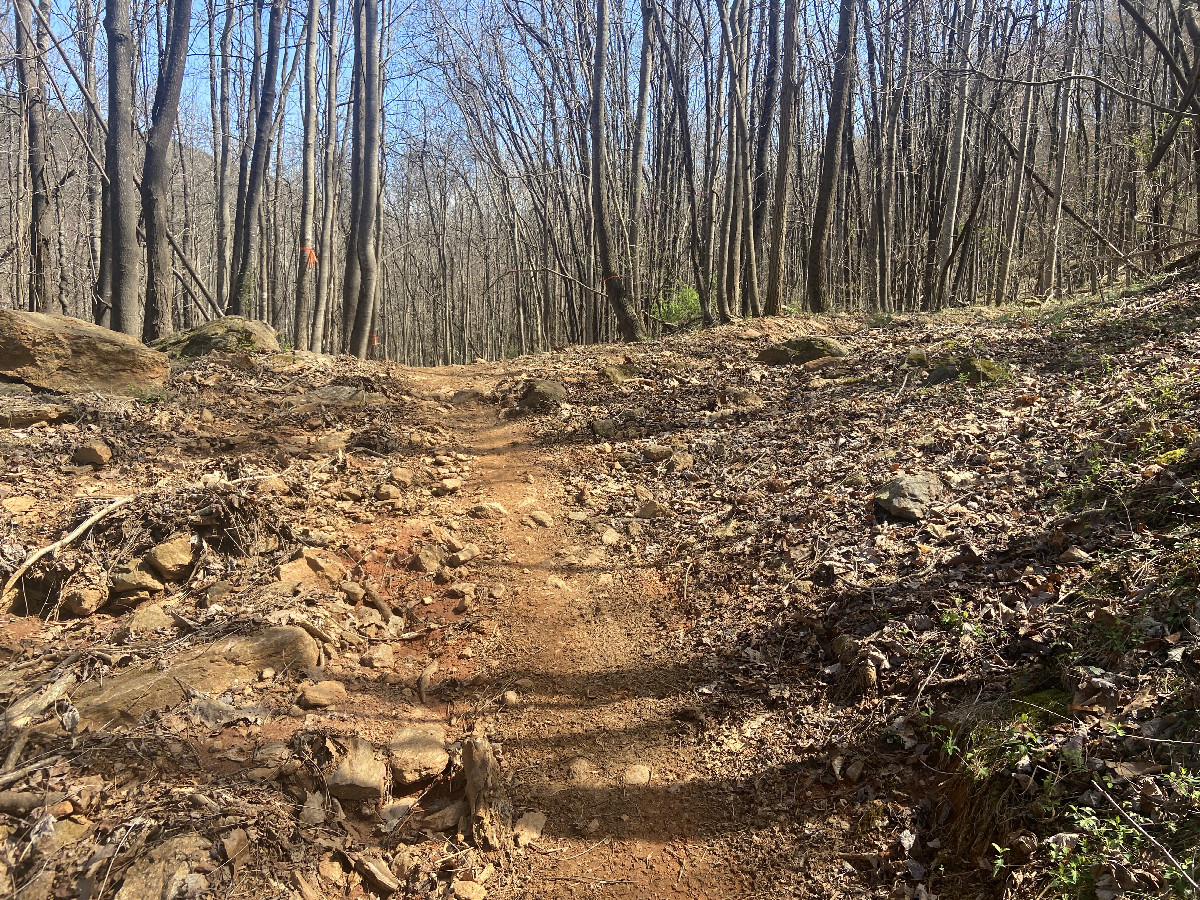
[(124, 698), (359, 776), (418, 752), (975, 370), (798, 351), (540, 393), (908, 497), (172, 559)]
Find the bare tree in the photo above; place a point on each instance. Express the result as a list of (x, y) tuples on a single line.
[(31, 51), (614, 285), (121, 215), (160, 279), (831, 159)]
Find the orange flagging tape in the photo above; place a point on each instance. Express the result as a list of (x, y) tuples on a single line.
[(311, 255)]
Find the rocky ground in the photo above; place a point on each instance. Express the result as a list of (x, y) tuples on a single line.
[(836, 608)]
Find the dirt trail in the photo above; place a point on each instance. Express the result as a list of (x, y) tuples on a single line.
[(582, 635)]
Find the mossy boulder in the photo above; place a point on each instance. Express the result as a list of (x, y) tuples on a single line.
[(230, 334), (975, 370), (801, 350)]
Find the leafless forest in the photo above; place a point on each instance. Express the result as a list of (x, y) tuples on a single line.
[(443, 180)]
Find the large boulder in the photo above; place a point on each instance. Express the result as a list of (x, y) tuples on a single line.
[(58, 353), (801, 350), (231, 334)]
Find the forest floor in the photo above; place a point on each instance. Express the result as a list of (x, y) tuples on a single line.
[(708, 661)]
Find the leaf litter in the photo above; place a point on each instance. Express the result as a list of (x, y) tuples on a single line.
[(937, 637)]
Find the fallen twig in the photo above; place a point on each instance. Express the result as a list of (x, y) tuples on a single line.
[(58, 545), (1142, 831)]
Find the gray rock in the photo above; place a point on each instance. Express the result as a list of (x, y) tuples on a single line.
[(529, 828), (166, 865), (618, 374), (636, 776), (540, 393), (427, 561), (604, 428), (387, 492), (360, 775), (24, 415), (381, 656), (908, 496), (680, 461), (418, 752), (652, 509), (463, 556), (134, 577), (489, 510)]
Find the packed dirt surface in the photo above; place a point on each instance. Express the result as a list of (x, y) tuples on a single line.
[(795, 608)]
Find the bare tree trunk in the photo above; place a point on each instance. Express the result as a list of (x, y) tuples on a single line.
[(245, 281), (628, 321), (1050, 260), (831, 160), (352, 274), (31, 52), (1009, 237), (122, 213), (638, 151), (329, 192), (221, 150), (954, 162), (766, 117), (85, 25), (368, 262), (160, 282), (306, 265), (787, 116)]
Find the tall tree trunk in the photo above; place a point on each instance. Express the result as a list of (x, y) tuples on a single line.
[(1050, 260), (954, 162), (31, 53), (85, 34), (246, 282), (766, 117), (831, 159), (352, 275), (628, 321), (122, 213), (329, 190), (368, 262), (1009, 236), (638, 150), (308, 261), (783, 166), (221, 115), (160, 281)]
